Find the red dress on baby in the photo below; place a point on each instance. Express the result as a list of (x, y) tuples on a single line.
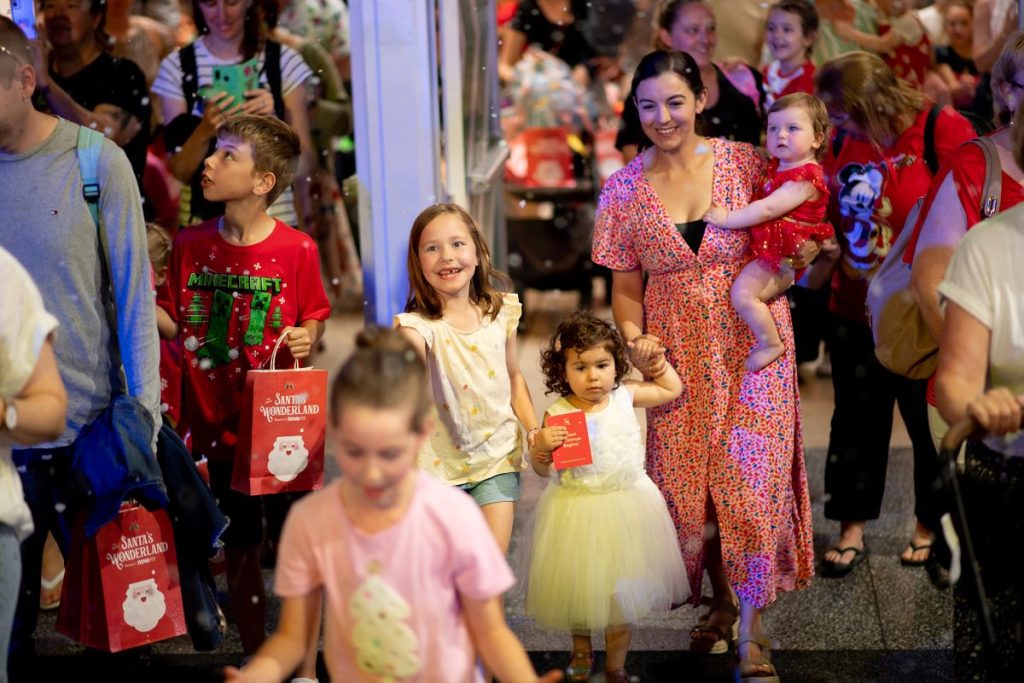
[(777, 239)]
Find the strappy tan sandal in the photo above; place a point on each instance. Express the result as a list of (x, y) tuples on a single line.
[(752, 669), (723, 634)]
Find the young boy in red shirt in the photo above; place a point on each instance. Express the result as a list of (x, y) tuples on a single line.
[(235, 284)]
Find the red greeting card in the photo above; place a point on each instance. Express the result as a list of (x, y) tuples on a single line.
[(575, 450)]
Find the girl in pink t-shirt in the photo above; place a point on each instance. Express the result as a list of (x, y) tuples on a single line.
[(409, 572)]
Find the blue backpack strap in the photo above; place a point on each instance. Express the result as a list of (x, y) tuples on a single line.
[(90, 142)]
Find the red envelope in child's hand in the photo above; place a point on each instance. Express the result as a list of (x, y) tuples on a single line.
[(575, 450)]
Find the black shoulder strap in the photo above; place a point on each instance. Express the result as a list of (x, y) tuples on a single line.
[(189, 76), (930, 157), (272, 68)]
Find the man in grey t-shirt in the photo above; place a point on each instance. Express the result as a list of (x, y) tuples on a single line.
[(45, 223)]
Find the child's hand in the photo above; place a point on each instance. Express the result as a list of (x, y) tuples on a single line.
[(657, 365), (644, 350), (550, 438), (552, 676), (716, 215), (299, 342), (541, 457)]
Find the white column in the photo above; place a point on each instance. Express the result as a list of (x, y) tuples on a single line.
[(394, 84)]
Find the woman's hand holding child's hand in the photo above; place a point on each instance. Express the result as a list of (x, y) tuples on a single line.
[(647, 353), (716, 215), (299, 342)]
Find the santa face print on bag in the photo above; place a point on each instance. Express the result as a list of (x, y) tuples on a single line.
[(863, 221), (144, 605), (288, 458)]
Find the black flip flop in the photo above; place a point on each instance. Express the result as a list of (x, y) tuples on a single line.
[(913, 549), (835, 570)]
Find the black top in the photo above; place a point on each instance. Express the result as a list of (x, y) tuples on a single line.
[(116, 81), (734, 116), (945, 54), (693, 233), (568, 43)]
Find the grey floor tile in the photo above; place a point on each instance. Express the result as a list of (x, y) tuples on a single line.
[(832, 614), (914, 614)]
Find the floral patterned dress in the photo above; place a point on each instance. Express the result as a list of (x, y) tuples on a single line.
[(733, 435)]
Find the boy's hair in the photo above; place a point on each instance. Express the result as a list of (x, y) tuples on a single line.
[(581, 332), (15, 50), (863, 86), (384, 372), (159, 242), (482, 290), (816, 112), (275, 147)]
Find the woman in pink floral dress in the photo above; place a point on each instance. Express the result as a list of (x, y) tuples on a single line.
[(729, 450)]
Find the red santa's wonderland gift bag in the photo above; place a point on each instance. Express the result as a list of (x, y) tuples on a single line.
[(126, 581), (281, 430)]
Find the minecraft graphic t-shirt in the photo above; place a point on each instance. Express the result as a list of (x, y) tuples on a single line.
[(231, 304)]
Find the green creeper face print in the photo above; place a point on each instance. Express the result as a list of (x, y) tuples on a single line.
[(215, 350)]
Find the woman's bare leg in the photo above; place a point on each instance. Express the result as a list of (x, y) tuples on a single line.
[(718, 618)]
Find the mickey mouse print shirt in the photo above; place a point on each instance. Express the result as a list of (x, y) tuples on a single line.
[(231, 303)]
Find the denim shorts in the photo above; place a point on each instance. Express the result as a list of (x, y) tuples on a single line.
[(501, 488)]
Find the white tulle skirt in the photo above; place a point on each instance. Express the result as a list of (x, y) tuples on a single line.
[(603, 558)]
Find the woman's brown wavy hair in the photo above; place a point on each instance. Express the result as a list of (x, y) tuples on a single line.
[(488, 282), (862, 85)]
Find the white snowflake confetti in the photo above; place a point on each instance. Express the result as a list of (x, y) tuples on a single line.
[(258, 266)]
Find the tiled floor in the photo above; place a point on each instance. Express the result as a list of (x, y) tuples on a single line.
[(883, 622)]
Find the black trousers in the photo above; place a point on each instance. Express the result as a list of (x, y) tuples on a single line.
[(858, 448), (45, 477)]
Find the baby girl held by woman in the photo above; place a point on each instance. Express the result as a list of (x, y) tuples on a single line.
[(791, 211), (604, 551)]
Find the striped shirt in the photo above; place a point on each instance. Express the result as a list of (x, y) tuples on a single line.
[(294, 73)]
